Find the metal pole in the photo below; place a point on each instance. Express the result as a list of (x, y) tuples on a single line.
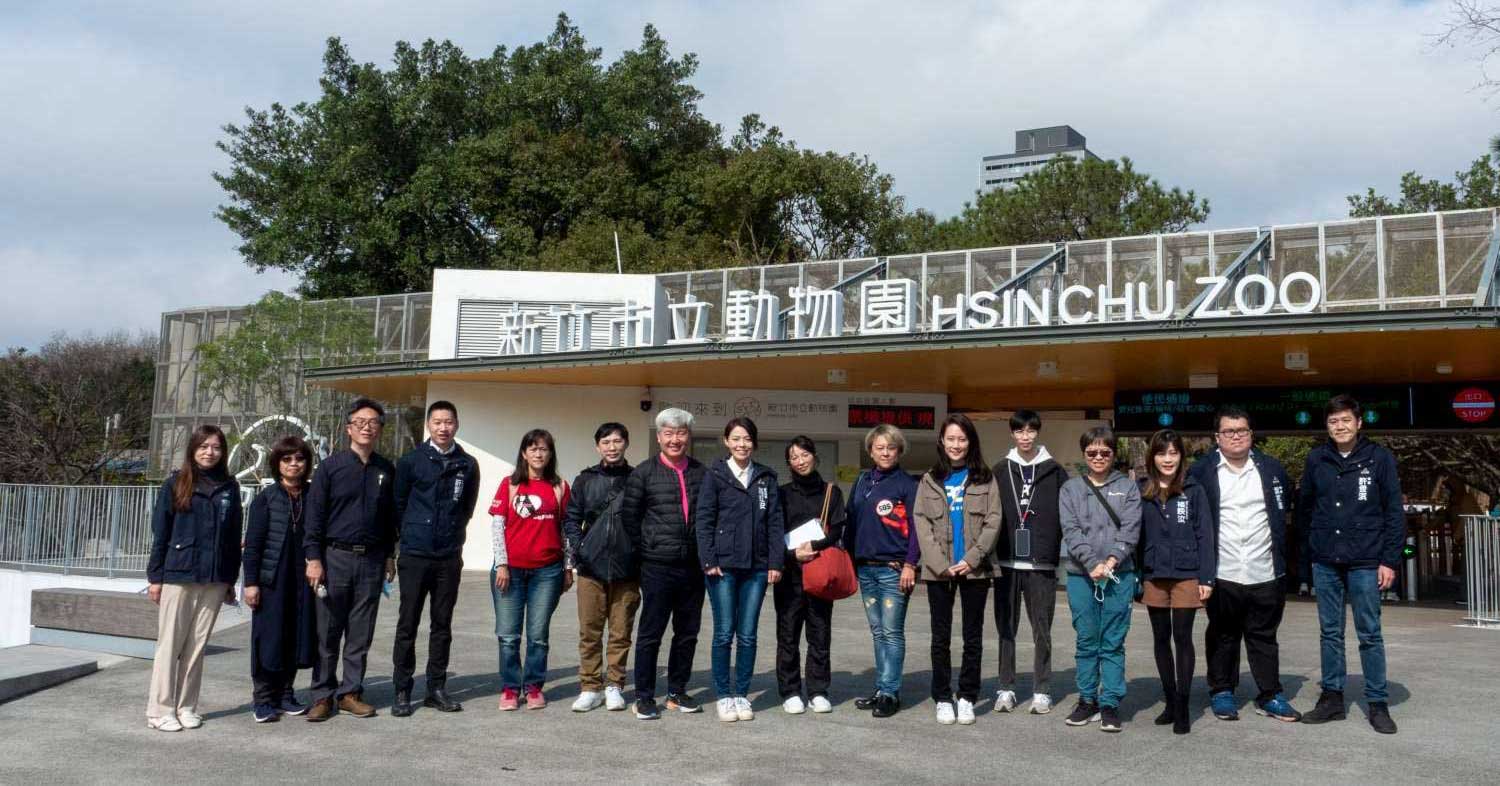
[(116, 500)]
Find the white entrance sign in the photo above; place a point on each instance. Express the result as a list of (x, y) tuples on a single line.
[(887, 306), (689, 321), (519, 335), (633, 329), (575, 330), (751, 316), (817, 313)]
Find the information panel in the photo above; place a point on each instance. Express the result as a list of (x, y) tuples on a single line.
[(1458, 406)]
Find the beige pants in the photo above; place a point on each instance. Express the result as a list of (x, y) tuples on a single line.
[(184, 619), (598, 602)]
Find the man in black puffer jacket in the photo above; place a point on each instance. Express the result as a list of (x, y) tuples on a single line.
[(609, 587), (657, 512)]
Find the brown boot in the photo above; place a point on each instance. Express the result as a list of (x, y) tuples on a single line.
[(322, 710), (354, 705)]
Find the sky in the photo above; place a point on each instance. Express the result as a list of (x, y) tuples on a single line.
[(1274, 111)]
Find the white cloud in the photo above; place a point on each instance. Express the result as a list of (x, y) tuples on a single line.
[(1273, 110)]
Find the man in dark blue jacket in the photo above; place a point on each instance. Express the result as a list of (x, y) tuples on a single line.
[(1248, 493), (351, 535), (1354, 524), (437, 485)]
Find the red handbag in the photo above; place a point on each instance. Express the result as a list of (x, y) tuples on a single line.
[(830, 574)]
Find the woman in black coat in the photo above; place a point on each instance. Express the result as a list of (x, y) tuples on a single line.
[(283, 630), (802, 500)]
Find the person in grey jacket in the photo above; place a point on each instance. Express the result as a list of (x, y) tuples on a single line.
[(1101, 522)]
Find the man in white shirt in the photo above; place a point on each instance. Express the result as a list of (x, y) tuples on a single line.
[(1248, 492)]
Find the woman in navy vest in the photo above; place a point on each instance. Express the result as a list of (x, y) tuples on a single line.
[(283, 632)]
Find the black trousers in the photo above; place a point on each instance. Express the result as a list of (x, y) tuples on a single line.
[(346, 619), (972, 594), (1248, 612), (669, 593), (1039, 589), (268, 687), (421, 578), (794, 610)]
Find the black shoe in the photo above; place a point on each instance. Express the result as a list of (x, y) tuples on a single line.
[(1169, 713), (1380, 718), (866, 702), (645, 709), (402, 706), (682, 703), (1085, 713), (886, 706), (1330, 708), (438, 699), (1182, 722), (1109, 719)]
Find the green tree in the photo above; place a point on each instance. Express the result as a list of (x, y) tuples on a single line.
[(1476, 187)]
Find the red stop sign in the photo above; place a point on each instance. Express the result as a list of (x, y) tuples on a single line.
[(1474, 405)]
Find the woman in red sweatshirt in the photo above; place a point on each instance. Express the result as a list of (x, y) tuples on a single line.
[(529, 573)]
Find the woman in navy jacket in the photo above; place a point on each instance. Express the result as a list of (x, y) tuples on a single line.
[(1179, 561), (283, 632), (195, 559), (739, 526)]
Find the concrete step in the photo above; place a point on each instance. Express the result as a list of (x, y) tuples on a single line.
[(31, 667)]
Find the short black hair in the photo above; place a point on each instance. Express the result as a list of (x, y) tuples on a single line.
[(365, 403), (1232, 412), (605, 429), (748, 425), (1103, 434), (1024, 419), (1343, 402), (442, 405)]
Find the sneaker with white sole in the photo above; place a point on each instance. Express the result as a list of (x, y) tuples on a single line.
[(821, 704), (727, 712), (945, 714), (1041, 704), (793, 706), (965, 712), (167, 723), (614, 698), (587, 700), (1005, 700), (189, 719), (742, 708)]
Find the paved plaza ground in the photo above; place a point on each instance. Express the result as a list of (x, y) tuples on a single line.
[(1444, 691)]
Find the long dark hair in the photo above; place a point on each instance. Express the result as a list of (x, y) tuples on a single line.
[(1160, 441), (291, 446), (979, 472), (188, 473), (536, 436)]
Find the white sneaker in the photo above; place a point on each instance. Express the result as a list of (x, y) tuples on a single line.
[(1041, 704), (614, 698), (168, 723), (742, 708), (945, 713), (587, 700), (189, 719), (793, 706), (821, 704), (727, 712), (965, 712), (1005, 700)]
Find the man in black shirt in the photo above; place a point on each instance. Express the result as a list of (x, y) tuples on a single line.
[(351, 535), (437, 485)]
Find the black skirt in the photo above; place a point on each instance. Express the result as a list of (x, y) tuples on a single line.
[(283, 630)]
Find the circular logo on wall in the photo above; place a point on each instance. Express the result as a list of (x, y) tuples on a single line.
[(884, 508), (747, 407), (1474, 405)]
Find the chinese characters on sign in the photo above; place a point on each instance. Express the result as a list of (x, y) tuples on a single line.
[(752, 316), (888, 306), (907, 417), (519, 334)]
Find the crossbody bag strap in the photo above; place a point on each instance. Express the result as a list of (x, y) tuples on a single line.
[(1113, 516), (823, 517)]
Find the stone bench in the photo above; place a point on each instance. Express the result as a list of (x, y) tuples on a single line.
[(100, 620)]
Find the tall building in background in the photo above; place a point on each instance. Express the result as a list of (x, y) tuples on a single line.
[(1034, 148)]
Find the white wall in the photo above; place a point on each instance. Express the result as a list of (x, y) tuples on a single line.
[(15, 597)]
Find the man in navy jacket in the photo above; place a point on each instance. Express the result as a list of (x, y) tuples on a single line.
[(1248, 493), (437, 485), (1354, 524)]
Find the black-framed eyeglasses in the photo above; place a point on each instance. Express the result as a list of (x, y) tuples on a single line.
[(1234, 432)]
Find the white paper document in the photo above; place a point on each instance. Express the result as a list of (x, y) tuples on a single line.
[(806, 533)]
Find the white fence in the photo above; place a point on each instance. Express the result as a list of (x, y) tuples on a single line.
[(90, 530), (1482, 570)]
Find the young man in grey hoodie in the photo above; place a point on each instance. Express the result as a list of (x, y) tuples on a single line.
[(1028, 553), (1100, 543)]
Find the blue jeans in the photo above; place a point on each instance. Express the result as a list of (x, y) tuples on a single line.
[(735, 597), (885, 609), (530, 599), (1101, 629), (1362, 587)]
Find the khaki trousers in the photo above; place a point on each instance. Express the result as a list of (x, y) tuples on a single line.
[(614, 602), (184, 619)]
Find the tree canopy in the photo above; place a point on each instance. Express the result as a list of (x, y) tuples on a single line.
[(1476, 187)]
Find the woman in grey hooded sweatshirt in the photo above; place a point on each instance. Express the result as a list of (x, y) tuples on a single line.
[(1101, 522)]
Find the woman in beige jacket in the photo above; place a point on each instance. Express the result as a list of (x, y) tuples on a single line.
[(957, 520)]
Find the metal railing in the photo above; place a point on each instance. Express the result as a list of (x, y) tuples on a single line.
[(90, 530), (1482, 570)]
